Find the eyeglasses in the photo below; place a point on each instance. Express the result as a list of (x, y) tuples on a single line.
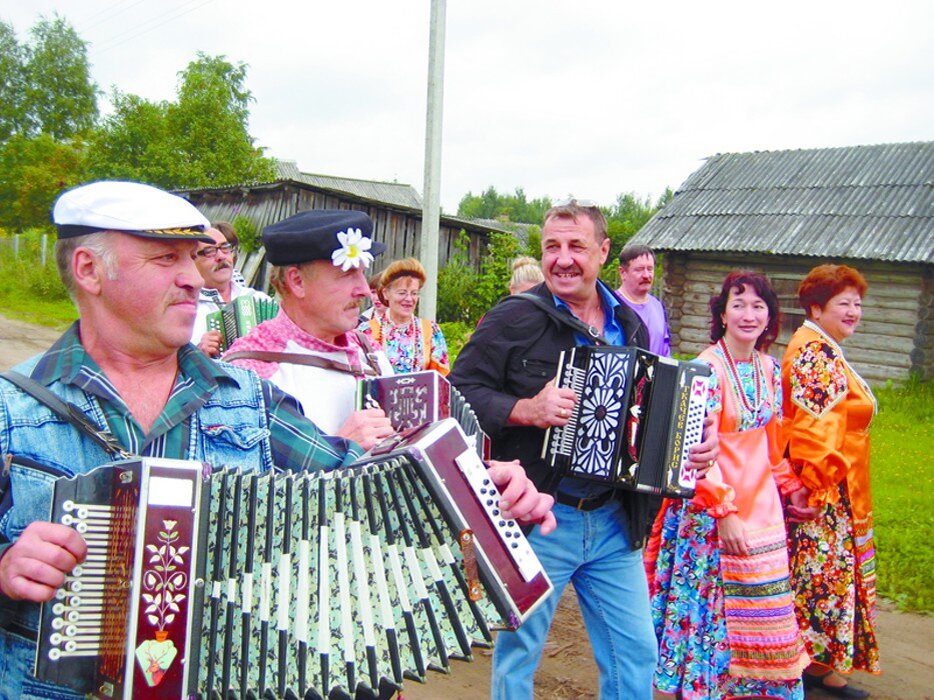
[(211, 251), (569, 201), (404, 294)]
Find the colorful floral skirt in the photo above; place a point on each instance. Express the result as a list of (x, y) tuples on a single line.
[(833, 575), (685, 585)]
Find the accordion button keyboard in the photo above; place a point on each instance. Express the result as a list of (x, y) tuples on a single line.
[(488, 495)]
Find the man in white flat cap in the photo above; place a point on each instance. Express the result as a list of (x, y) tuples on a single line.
[(126, 254)]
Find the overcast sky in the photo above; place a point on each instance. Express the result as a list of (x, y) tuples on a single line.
[(592, 97)]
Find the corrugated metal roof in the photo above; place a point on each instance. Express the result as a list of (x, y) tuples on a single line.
[(393, 193), (860, 202)]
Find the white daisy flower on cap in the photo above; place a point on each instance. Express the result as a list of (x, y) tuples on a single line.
[(354, 250)]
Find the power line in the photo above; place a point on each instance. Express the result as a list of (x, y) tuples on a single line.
[(147, 26)]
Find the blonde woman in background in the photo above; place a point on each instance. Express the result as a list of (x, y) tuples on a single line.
[(526, 273)]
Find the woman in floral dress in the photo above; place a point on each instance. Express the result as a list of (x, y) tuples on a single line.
[(411, 343), (717, 563), (827, 412)]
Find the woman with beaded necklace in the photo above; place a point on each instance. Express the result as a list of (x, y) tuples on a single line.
[(412, 344), (717, 564)]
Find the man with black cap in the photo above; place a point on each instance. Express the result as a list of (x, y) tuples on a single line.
[(126, 255), (311, 350)]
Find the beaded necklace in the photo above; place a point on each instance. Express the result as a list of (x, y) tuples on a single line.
[(752, 409)]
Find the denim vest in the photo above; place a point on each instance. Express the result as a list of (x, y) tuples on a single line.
[(231, 428)]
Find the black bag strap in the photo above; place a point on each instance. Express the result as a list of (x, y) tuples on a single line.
[(566, 318), (69, 412)]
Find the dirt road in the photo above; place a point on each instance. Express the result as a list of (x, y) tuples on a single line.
[(567, 669)]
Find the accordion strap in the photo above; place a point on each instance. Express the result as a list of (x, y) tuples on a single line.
[(69, 412), (299, 359), (562, 317)]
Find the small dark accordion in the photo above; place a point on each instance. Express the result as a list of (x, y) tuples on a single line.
[(637, 415)]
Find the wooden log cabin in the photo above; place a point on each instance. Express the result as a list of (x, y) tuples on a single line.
[(784, 212)]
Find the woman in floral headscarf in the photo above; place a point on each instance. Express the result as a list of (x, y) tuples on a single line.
[(411, 343)]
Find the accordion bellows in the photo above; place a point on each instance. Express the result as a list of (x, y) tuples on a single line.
[(212, 584)]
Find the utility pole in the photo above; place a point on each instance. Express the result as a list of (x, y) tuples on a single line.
[(431, 203)]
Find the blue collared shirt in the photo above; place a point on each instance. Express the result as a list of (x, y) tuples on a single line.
[(615, 335)]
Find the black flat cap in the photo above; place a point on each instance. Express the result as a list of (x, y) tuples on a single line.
[(340, 235)]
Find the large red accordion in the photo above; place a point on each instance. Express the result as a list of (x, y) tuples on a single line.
[(203, 583), (636, 417)]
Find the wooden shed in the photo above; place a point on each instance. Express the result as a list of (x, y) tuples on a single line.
[(784, 212), (396, 210)]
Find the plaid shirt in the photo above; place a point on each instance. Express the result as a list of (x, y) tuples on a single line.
[(295, 441)]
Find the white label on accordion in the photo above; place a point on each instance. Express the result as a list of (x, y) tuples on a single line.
[(446, 554), (324, 591), (301, 593), (216, 590), (166, 491), (283, 582), (246, 602), (487, 494), (231, 590)]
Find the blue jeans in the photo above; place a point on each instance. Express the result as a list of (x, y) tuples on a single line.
[(594, 552)]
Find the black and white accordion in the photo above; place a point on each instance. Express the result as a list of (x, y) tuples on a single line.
[(222, 583), (411, 400), (637, 415), (240, 316)]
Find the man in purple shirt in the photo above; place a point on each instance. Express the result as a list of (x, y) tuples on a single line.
[(636, 274)]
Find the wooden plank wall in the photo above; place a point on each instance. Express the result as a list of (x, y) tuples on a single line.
[(894, 339), (399, 230)]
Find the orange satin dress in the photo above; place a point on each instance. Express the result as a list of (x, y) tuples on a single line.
[(828, 409), (758, 605)]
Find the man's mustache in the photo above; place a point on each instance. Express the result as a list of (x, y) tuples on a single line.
[(222, 266)]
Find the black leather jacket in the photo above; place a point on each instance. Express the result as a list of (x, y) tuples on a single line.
[(512, 354)]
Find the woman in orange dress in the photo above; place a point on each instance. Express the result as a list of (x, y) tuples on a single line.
[(827, 411), (717, 564)]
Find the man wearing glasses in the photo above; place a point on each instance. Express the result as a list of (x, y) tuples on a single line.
[(506, 371), (215, 262)]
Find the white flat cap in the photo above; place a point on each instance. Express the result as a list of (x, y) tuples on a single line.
[(130, 207)]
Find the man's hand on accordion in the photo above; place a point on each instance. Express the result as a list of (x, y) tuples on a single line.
[(549, 407), (519, 499), (34, 567), (210, 343), (366, 427)]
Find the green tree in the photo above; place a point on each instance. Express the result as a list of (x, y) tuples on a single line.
[(33, 171), (490, 204), (11, 82), (59, 97), (629, 213), (134, 143), (200, 140)]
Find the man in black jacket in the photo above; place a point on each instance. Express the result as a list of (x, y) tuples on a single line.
[(506, 372)]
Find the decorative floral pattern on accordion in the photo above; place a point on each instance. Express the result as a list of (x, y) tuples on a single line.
[(600, 410), (162, 586)]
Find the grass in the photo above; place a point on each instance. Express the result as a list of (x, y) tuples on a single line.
[(30, 291), (902, 469)]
